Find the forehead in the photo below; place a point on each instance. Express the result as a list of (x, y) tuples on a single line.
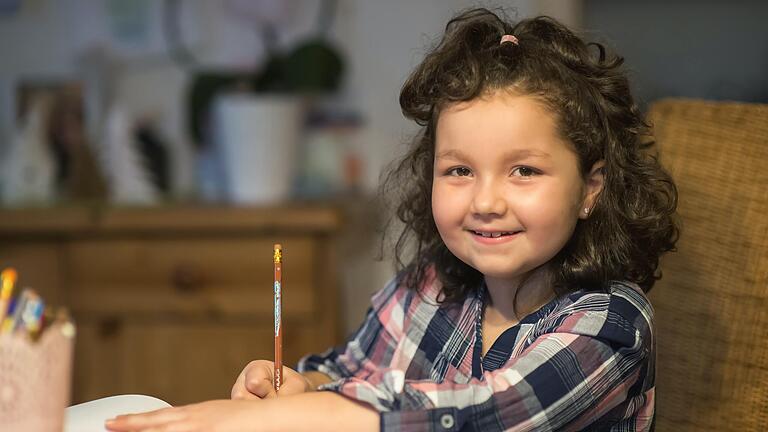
[(499, 119)]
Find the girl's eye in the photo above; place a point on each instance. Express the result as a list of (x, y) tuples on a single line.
[(459, 172), (524, 171)]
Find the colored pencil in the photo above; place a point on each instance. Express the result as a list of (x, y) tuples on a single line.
[(7, 280)]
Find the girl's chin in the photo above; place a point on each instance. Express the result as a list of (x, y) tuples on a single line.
[(503, 271), (501, 275)]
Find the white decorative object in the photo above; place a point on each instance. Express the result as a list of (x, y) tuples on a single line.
[(257, 137), (28, 168), (126, 173)]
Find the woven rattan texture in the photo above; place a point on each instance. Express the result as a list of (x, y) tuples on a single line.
[(712, 302)]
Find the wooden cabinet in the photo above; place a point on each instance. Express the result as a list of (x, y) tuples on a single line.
[(173, 302)]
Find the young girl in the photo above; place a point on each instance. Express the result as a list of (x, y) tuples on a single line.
[(538, 221)]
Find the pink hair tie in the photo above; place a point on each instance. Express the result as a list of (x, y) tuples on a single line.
[(508, 38)]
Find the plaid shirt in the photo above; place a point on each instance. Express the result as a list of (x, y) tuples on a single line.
[(583, 361)]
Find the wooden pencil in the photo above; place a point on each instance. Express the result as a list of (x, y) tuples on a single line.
[(278, 291)]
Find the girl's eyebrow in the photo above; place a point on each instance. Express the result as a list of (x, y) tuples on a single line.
[(526, 153), (513, 155), (451, 153)]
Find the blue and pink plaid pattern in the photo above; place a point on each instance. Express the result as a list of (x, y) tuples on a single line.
[(584, 361)]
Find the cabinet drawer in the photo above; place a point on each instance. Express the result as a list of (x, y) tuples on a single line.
[(180, 363), (171, 277)]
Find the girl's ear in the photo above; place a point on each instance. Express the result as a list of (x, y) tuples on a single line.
[(594, 185)]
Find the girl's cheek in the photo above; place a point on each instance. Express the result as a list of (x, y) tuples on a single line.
[(439, 213), (444, 209)]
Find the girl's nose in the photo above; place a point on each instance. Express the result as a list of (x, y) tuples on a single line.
[(488, 200)]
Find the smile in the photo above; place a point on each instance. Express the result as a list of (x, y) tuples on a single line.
[(493, 237)]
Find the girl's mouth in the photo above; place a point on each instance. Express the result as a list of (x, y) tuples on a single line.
[(493, 234), (493, 237)]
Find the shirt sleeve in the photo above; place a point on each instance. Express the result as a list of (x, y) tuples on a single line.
[(568, 377), (368, 348)]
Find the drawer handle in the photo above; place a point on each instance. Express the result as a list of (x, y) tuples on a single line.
[(110, 328), (187, 278)]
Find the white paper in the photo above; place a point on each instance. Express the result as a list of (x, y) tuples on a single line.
[(90, 416)]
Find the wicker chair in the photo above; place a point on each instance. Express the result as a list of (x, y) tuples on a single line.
[(712, 303)]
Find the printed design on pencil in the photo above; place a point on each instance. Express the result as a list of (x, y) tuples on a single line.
[(278, 378), (277, 307)]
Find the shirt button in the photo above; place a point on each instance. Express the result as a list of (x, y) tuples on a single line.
[(446, 421)]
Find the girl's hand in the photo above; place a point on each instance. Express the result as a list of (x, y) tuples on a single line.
[(315, 411), (218, 415), (257, 378)]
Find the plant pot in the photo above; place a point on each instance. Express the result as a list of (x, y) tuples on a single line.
[(256, 137)]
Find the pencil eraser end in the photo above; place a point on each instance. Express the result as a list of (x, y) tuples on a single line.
[(278, 246)]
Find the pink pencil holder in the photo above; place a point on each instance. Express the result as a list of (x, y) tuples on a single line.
[(35, 380)]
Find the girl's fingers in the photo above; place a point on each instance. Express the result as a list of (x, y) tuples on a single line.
[(130, 422), (238, 388), (259, 385), (243, 394), (294, 384), (239, 391), (173, 427)]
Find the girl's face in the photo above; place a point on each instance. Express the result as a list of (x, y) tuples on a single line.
[(506, 191)]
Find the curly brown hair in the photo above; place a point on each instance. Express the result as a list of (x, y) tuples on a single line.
[(633, 222)]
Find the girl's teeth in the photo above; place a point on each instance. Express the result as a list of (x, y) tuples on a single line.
[(493, 235)]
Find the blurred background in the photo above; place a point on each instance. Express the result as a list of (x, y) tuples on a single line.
[(158, 147)]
